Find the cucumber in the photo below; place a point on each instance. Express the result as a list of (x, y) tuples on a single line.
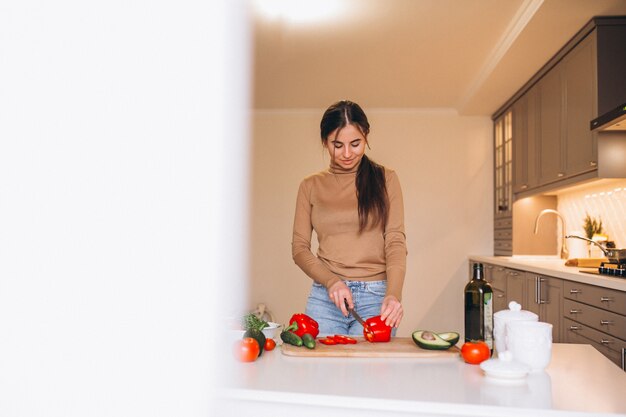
[(291, 338), (450, 337), (257, 335), (308, 341), (430, 340)]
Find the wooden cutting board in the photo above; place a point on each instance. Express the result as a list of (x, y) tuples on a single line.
[(397, 347)]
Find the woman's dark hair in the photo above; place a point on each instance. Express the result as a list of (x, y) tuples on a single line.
[(371, 190)]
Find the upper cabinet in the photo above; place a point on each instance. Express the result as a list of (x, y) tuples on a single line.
[(551, 138)]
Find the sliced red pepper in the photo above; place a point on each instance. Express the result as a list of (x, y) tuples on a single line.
[(376, 330), (327, 341), (351, 341), (301, 324), (345, 340)]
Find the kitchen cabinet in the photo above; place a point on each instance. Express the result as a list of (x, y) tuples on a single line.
[(579, 144), (567, 146), (525, 125), (503, 184), (497, 278), (553, 144), (550, 121), (537, 293), (597, 316), (582, 307), (544, 297)]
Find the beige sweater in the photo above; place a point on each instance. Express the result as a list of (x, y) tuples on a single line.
[(327, 203)]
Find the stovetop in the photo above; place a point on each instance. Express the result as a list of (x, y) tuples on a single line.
[(609, 269)]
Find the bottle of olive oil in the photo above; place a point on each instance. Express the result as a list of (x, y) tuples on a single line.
[(479, 308)]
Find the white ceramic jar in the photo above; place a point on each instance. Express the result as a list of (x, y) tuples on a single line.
[(530, 343), (502, 317)]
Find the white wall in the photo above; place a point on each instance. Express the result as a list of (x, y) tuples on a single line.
[(444, 163)]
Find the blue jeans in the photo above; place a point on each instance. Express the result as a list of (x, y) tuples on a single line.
[(367, 296)]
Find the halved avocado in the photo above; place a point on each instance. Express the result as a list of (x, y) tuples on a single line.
[(430, 340), (450, 337)]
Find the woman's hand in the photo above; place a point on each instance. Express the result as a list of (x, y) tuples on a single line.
[(337, 293), (391, 311)]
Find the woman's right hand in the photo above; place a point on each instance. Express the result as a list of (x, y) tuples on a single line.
[(337, 293)]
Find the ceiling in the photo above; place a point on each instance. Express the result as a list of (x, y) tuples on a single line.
[(466, 55)]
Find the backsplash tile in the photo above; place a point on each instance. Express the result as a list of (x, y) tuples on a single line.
[(604, 199)]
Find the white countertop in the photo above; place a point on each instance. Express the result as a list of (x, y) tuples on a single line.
[(578, 382), (554, 267)]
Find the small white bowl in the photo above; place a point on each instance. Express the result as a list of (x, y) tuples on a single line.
[(272, 331)]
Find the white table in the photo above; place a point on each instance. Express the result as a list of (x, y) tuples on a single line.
[(578, 382)]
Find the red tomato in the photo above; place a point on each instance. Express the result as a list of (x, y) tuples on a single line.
[(270, 344), (475, 352), (246, 350)]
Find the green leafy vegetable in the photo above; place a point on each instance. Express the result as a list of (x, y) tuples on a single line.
[(250, 321)]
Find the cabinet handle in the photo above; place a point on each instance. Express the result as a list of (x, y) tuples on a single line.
[(560, 174), (524, 186), (500, 296), (538, 298), (575, 291), (574, 328), (593, 163), (605, 322), (514, 274), (606, 299), (624, 359), (606, 341), (573, 311)]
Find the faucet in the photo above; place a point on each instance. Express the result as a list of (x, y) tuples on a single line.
[(564, 251)]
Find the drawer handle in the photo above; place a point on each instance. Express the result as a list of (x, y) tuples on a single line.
[(606, 299), (574, 291), (593, 163), (560, 174), (605, 322), (574, 328), (606, 341), (514, 273), (572, 311), (500, 295), (525, 186)]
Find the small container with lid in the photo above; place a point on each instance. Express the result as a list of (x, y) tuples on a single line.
[(505, 368), (502, 317)]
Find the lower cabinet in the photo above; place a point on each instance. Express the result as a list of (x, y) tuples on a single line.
[(544, 297), (596, 316), (579, 313), (537, 293)]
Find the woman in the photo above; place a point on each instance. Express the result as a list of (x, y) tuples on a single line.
[(356, 210)]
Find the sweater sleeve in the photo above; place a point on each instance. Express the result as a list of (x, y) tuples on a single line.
[(301, 241), (395, 238)]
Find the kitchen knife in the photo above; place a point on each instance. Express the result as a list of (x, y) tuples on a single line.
[(355, 315)]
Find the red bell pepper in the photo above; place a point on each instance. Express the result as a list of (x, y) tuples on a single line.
[(375, 330), (301, 324)]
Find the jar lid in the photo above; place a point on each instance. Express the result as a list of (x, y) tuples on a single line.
[(505, 367), (515, 312)]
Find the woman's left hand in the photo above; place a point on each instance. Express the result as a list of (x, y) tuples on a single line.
[(391, 311)]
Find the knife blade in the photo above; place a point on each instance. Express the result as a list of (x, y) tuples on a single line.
[(355, 315)]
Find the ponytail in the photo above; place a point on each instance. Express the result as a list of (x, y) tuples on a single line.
[(371, 191)]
